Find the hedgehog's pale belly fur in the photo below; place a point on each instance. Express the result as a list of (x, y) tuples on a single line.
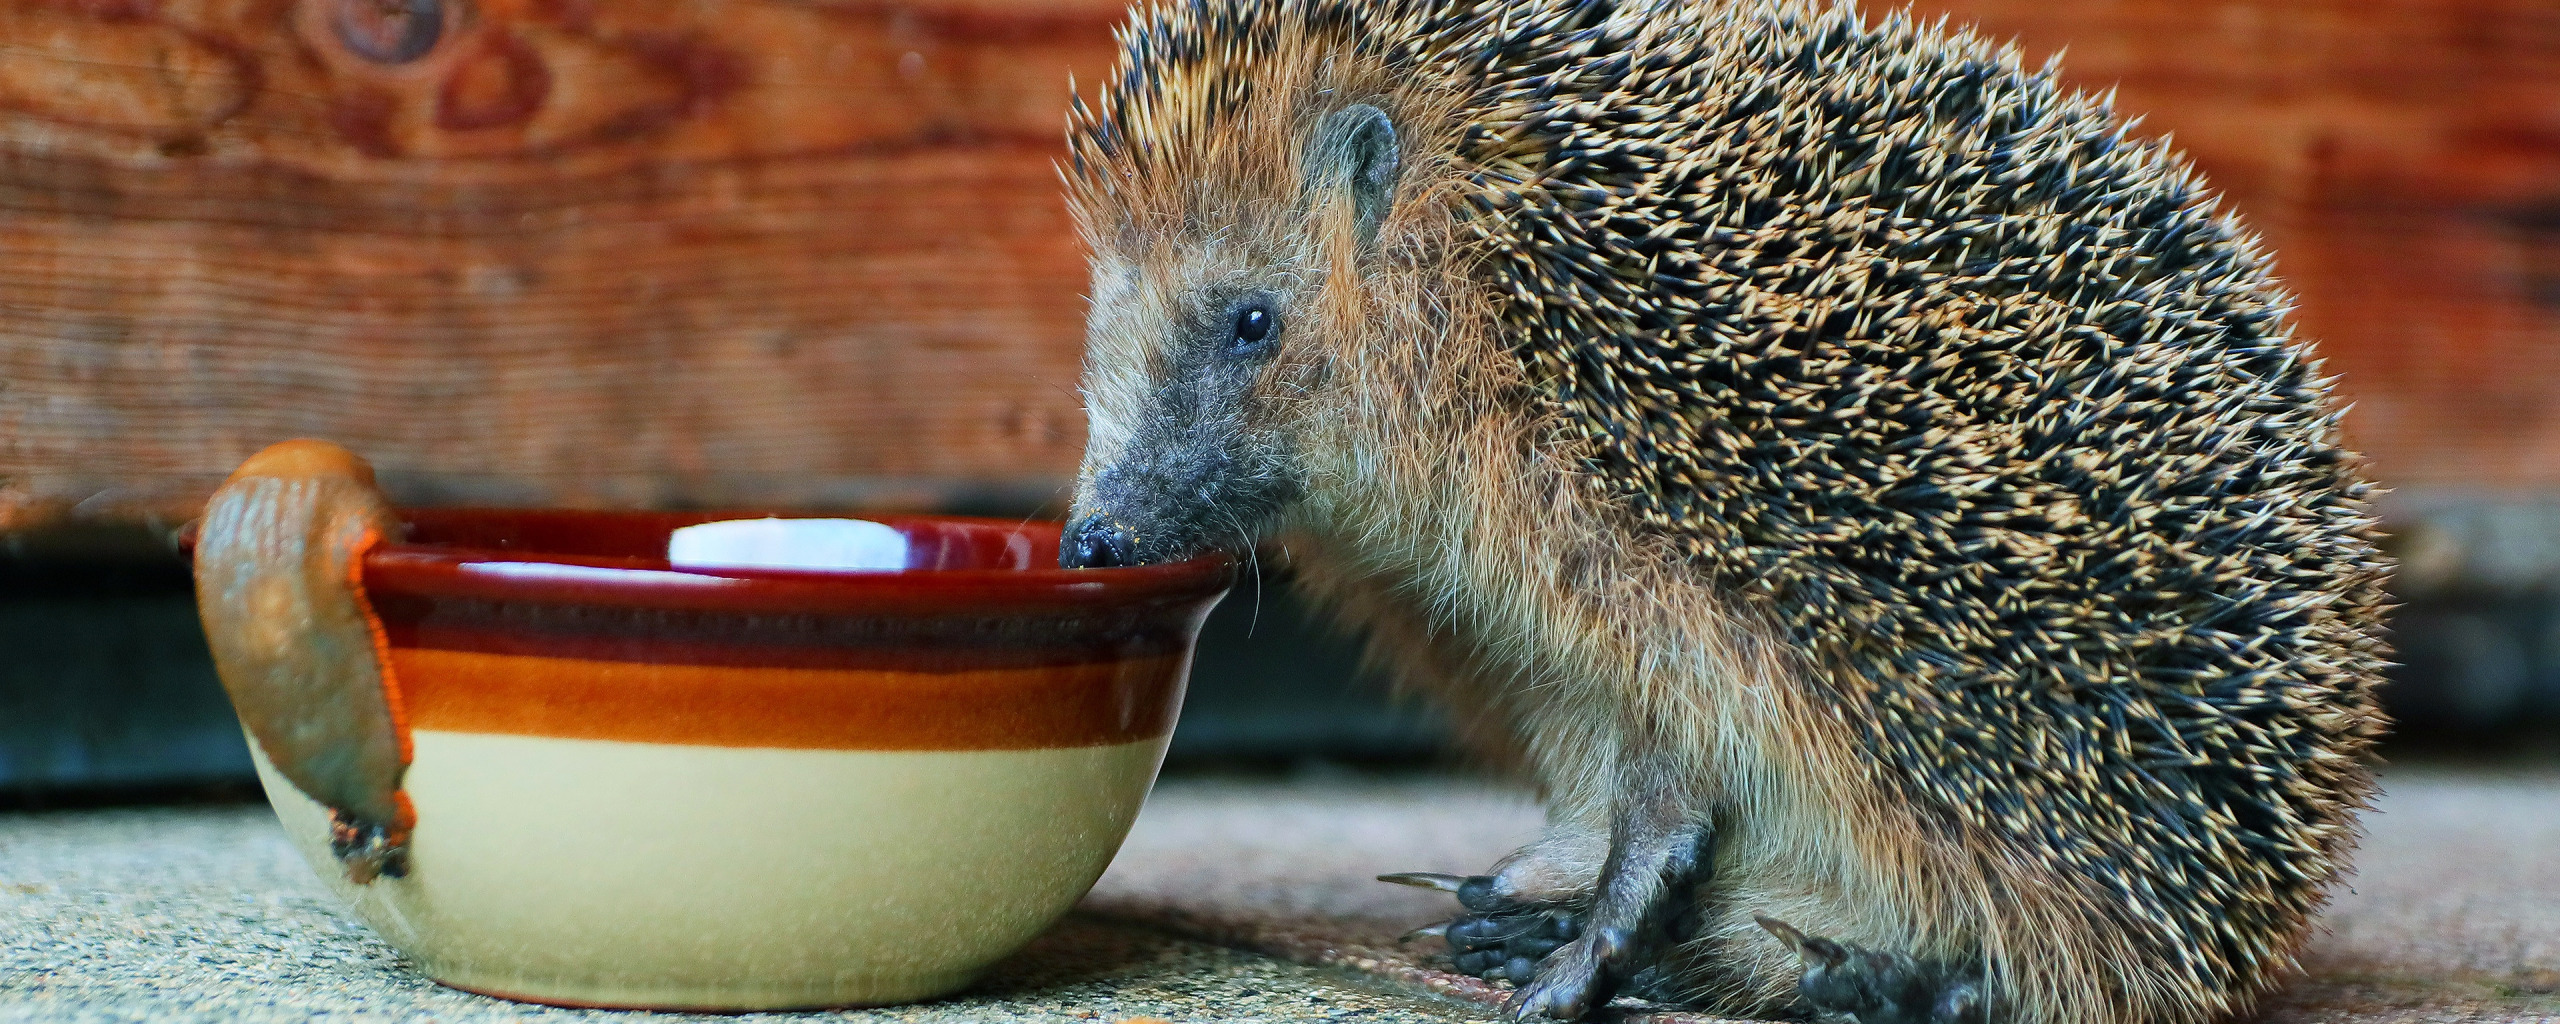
[(1985, 557)]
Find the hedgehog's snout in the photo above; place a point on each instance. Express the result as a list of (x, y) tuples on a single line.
[(1141, 511), (1097, 542)]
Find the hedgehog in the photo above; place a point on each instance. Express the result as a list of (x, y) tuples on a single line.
[(1870, 489)]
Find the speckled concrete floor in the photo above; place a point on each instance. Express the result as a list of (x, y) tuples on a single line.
[(2454, 914), (206, 915), (1231, 902)]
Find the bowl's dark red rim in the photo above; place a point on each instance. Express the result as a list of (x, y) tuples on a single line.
[(451, 571)]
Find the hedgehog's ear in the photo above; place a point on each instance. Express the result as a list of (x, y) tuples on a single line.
[(1355, 147)]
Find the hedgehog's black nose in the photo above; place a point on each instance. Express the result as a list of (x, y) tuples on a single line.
[(1097, 543)]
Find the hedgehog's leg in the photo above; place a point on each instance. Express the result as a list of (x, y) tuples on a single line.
[(1660, 853), (1845, 982)]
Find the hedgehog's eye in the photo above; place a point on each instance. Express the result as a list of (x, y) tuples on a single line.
[(1255, 326)]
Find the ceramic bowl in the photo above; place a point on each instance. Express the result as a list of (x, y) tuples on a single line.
[(638, 783)]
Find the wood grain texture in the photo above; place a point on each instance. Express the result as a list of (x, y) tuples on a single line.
[(614, 253), (812, 251)]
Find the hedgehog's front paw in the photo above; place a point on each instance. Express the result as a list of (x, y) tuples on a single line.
[(1846, 983), (1501, 937), (1507, 944)]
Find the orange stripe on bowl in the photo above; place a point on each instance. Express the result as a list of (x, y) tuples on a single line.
[(823, 709)]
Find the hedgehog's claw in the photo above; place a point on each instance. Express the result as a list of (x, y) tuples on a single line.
[(1850, 983), (1503, 937), (1570, 958), (1427, 880)]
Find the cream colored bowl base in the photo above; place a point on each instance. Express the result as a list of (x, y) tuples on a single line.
[(595, 872)]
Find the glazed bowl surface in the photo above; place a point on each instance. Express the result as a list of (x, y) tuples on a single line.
[(641, 783)]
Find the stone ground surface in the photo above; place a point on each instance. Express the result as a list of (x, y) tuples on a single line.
[(1233, 901)]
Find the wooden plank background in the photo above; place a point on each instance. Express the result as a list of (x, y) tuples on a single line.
[(623, 252), (812, 252)]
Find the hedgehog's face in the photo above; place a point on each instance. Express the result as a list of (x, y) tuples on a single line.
[(1203, 352)]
